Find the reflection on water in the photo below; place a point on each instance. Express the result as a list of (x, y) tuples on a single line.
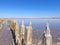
[(38, 28)]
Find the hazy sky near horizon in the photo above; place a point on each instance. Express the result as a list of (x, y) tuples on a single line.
[(29, 8)]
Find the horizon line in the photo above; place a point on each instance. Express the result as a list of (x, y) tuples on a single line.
[(51, 18)]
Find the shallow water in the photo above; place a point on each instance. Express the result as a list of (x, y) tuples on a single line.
[(38, 28)]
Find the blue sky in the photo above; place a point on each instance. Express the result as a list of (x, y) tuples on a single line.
[(29, 8)]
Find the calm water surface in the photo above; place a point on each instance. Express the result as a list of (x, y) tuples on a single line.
[(38, 27)]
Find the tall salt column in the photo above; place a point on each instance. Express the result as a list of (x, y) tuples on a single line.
[(48, 35), (11, 29), (29, 34), (17, 32), (22, 33)]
